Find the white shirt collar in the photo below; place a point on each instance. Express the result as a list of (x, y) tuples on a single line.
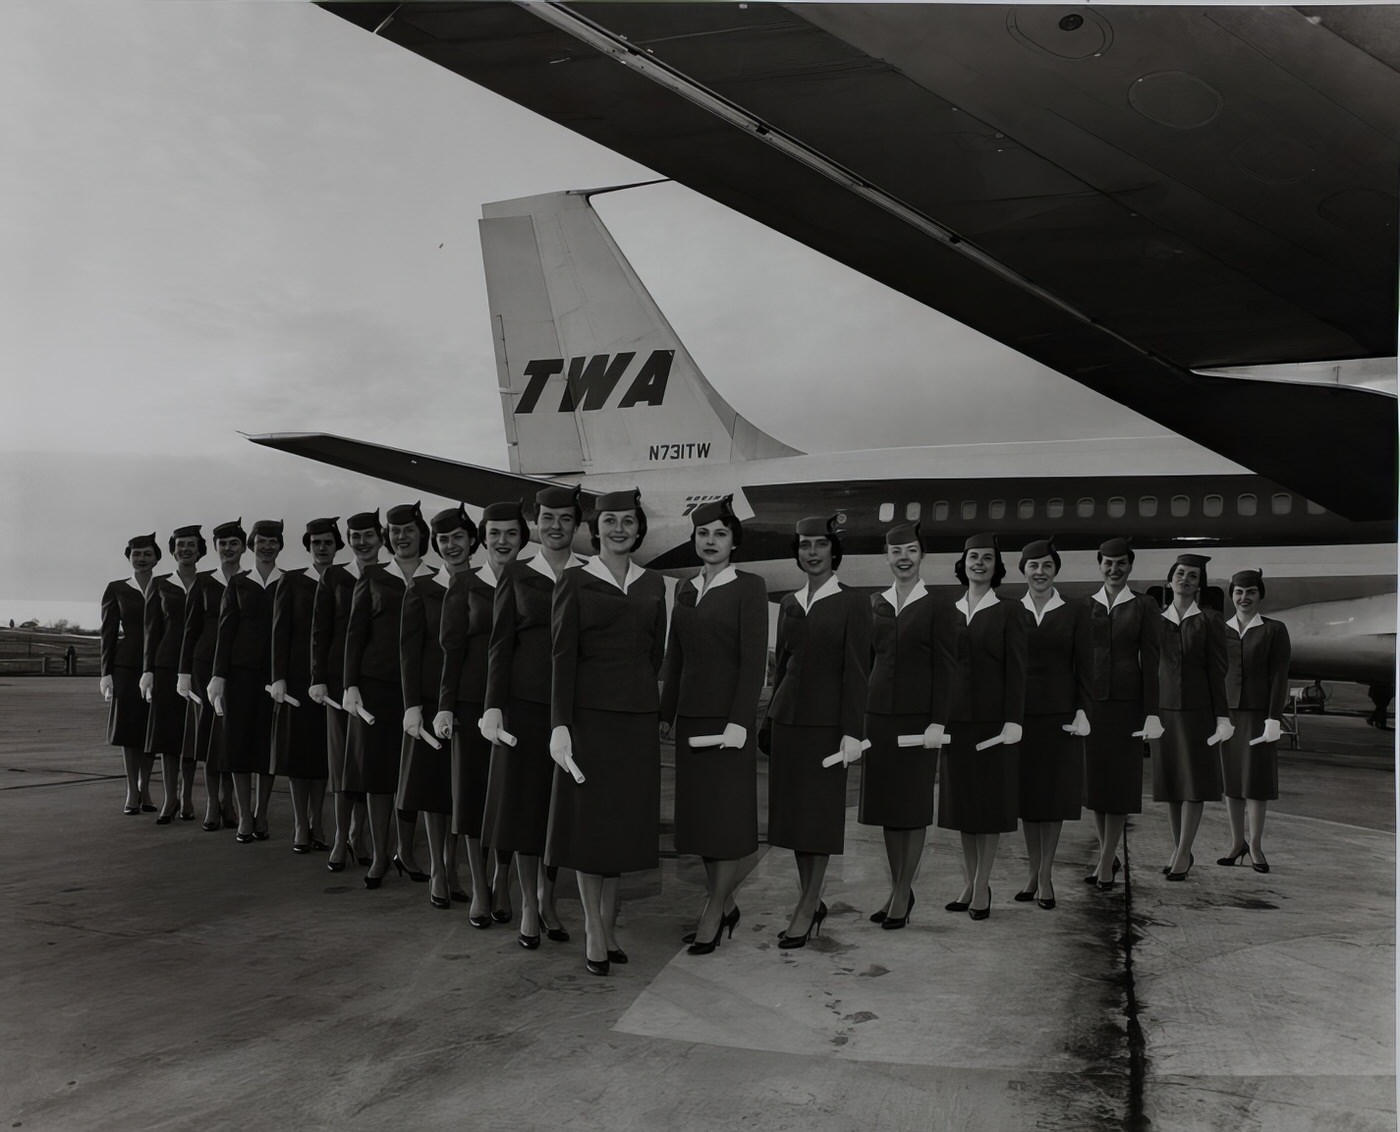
[(253, 576), (595, 567), (1124, 595), (1039, 614), (988, 600), (135, 585), (1256, 622), (487, 575), (179, 581), (826, 589), (353, 568), (1171, 615), (891, 595), (540, 565), (423, 568), (723, 578)]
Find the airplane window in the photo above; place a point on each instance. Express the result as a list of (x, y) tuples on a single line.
[(1213, 506), (1181, 505), (940, 511), (969, 509), (996, 509), (1282, 503), (1025, 509), (1085, 508), (886, 512), (1147, 506), (1054, 508), (1247, 504), (1315, 508), (911, 512), (1117, 507)]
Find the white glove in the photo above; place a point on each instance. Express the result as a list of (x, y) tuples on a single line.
[(277, 690), (850, 749), (1151, 729), (413, 721), (147, 684), (1223, 730), (736, 735), (665, 729), (184, 685), (215, 694), (935, 736), (351, 701), (490, 724), (1010, 733), (318, 693), (561, 745), (442, 724), (1273, 731), (1078, 726), (105, 687)]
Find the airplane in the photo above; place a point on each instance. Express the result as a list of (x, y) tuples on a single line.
[(597, 390)]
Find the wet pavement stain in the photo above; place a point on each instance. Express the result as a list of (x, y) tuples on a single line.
[(859, 1016), (874, 971)]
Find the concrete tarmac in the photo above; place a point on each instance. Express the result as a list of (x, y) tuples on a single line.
[(169, 978)]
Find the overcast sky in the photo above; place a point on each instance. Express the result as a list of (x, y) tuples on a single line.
[(238, 216)]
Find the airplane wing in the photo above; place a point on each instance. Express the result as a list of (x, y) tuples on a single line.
[(468, 482), (1127, 195)]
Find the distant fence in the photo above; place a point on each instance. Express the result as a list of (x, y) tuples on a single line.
[(33, 666)]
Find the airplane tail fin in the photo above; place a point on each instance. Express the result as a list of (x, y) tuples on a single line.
[(592, 377)]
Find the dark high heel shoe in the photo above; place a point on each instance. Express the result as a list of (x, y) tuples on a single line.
[(617, 955), (1234, 858), (958, 905), (595, 966), (319, 846), (1046, 902), (557, 935), (439, 901), (699, 948), (186, 815), (481, 919), (147, 808), (261, 835), (729, 920), (1026, 895), (245, 838), (213, 826), (894, 923), (373, 882), (1260, 866), (528, 942), (300, 847), (1093, 878), (1191, 860), (165, 819), (336, 866), (790, 942), (459, 895), (128, 810), (981, 913), (413, 874)]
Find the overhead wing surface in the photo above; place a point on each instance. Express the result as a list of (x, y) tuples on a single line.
[(1124, 194), (468, 482)]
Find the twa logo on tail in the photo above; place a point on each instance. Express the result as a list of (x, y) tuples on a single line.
[(591, 381)]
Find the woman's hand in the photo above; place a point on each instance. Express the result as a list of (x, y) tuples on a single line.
[(490, 724), (1223, 730), (147, 684), (184, 686), (850, 749), (1273, 731), (215, 694), (318, 693), (105, 687), (1010, 734), (351, 701), (664, 729), (735, 735), (1079, 725), (935, 736), (1151, 729), (561, 750), (442, 724), (278, 691), (413, 721)]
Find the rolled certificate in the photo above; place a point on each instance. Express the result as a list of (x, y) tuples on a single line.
[(504, 736), (194, 699), (832, 760), (360, 711), (697, 741), (911, 740), (328, 702), (427, 737), (285, 698), (572, 768), (994, 741)]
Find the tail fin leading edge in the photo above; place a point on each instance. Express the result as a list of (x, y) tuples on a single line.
[(592, 377)]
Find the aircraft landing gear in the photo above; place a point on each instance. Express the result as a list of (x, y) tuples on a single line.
[(1381, 695)]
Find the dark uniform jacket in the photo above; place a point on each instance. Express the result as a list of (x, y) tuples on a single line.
[(1256, 670), (607, 645), (123, 614), (372, 631), (1192, 669), (330, 613), (717, 655), (1060, 660), (822, 662), (989, 664), (292, 610), (420, 654), (912, 669), (1127, 643), (164, 625), (465, 634), (521, 650), (202, 606), (245, 626)]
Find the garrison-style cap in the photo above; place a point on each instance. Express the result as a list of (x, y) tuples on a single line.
[(1116, 547), (142, 542), (629, 500), (505, 512), (1040, 548), (231, 530), (984, 541), (816, 525), (268, 528), (322, 527), (1197, 560), (902, 534), (404, 513), (558, 497), (364, 521), (1247, 578), (186, 532), (453, 519), (713, 511)]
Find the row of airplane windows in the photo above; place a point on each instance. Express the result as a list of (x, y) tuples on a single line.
[(1179, 506)]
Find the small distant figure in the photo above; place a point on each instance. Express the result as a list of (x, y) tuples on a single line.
[(12, 622), (70, 661)]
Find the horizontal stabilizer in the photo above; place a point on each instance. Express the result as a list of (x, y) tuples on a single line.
[(469, 483)]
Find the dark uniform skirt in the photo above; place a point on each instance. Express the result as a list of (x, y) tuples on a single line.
[(1184, 769), (126, 710), (610, 823), (1249, 772), (299, 737), (372, 750), (716, 793), (979, 788), (520, 781), (806, 801), (425, 775), (1113, 758), (203, 742), (247, 723), (897, 783), (335, 749), (471, 771), (1052, 769), (165, 725)]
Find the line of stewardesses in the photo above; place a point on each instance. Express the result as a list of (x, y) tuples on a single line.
[(541, 677)]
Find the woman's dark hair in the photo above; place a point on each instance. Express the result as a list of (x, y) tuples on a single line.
[(1099, 556), (1246, 578), (203, 546), (998, 571), (1200, 592), (836, 552), (145, 546), (473, 533), (736, 529), (592, 522)]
